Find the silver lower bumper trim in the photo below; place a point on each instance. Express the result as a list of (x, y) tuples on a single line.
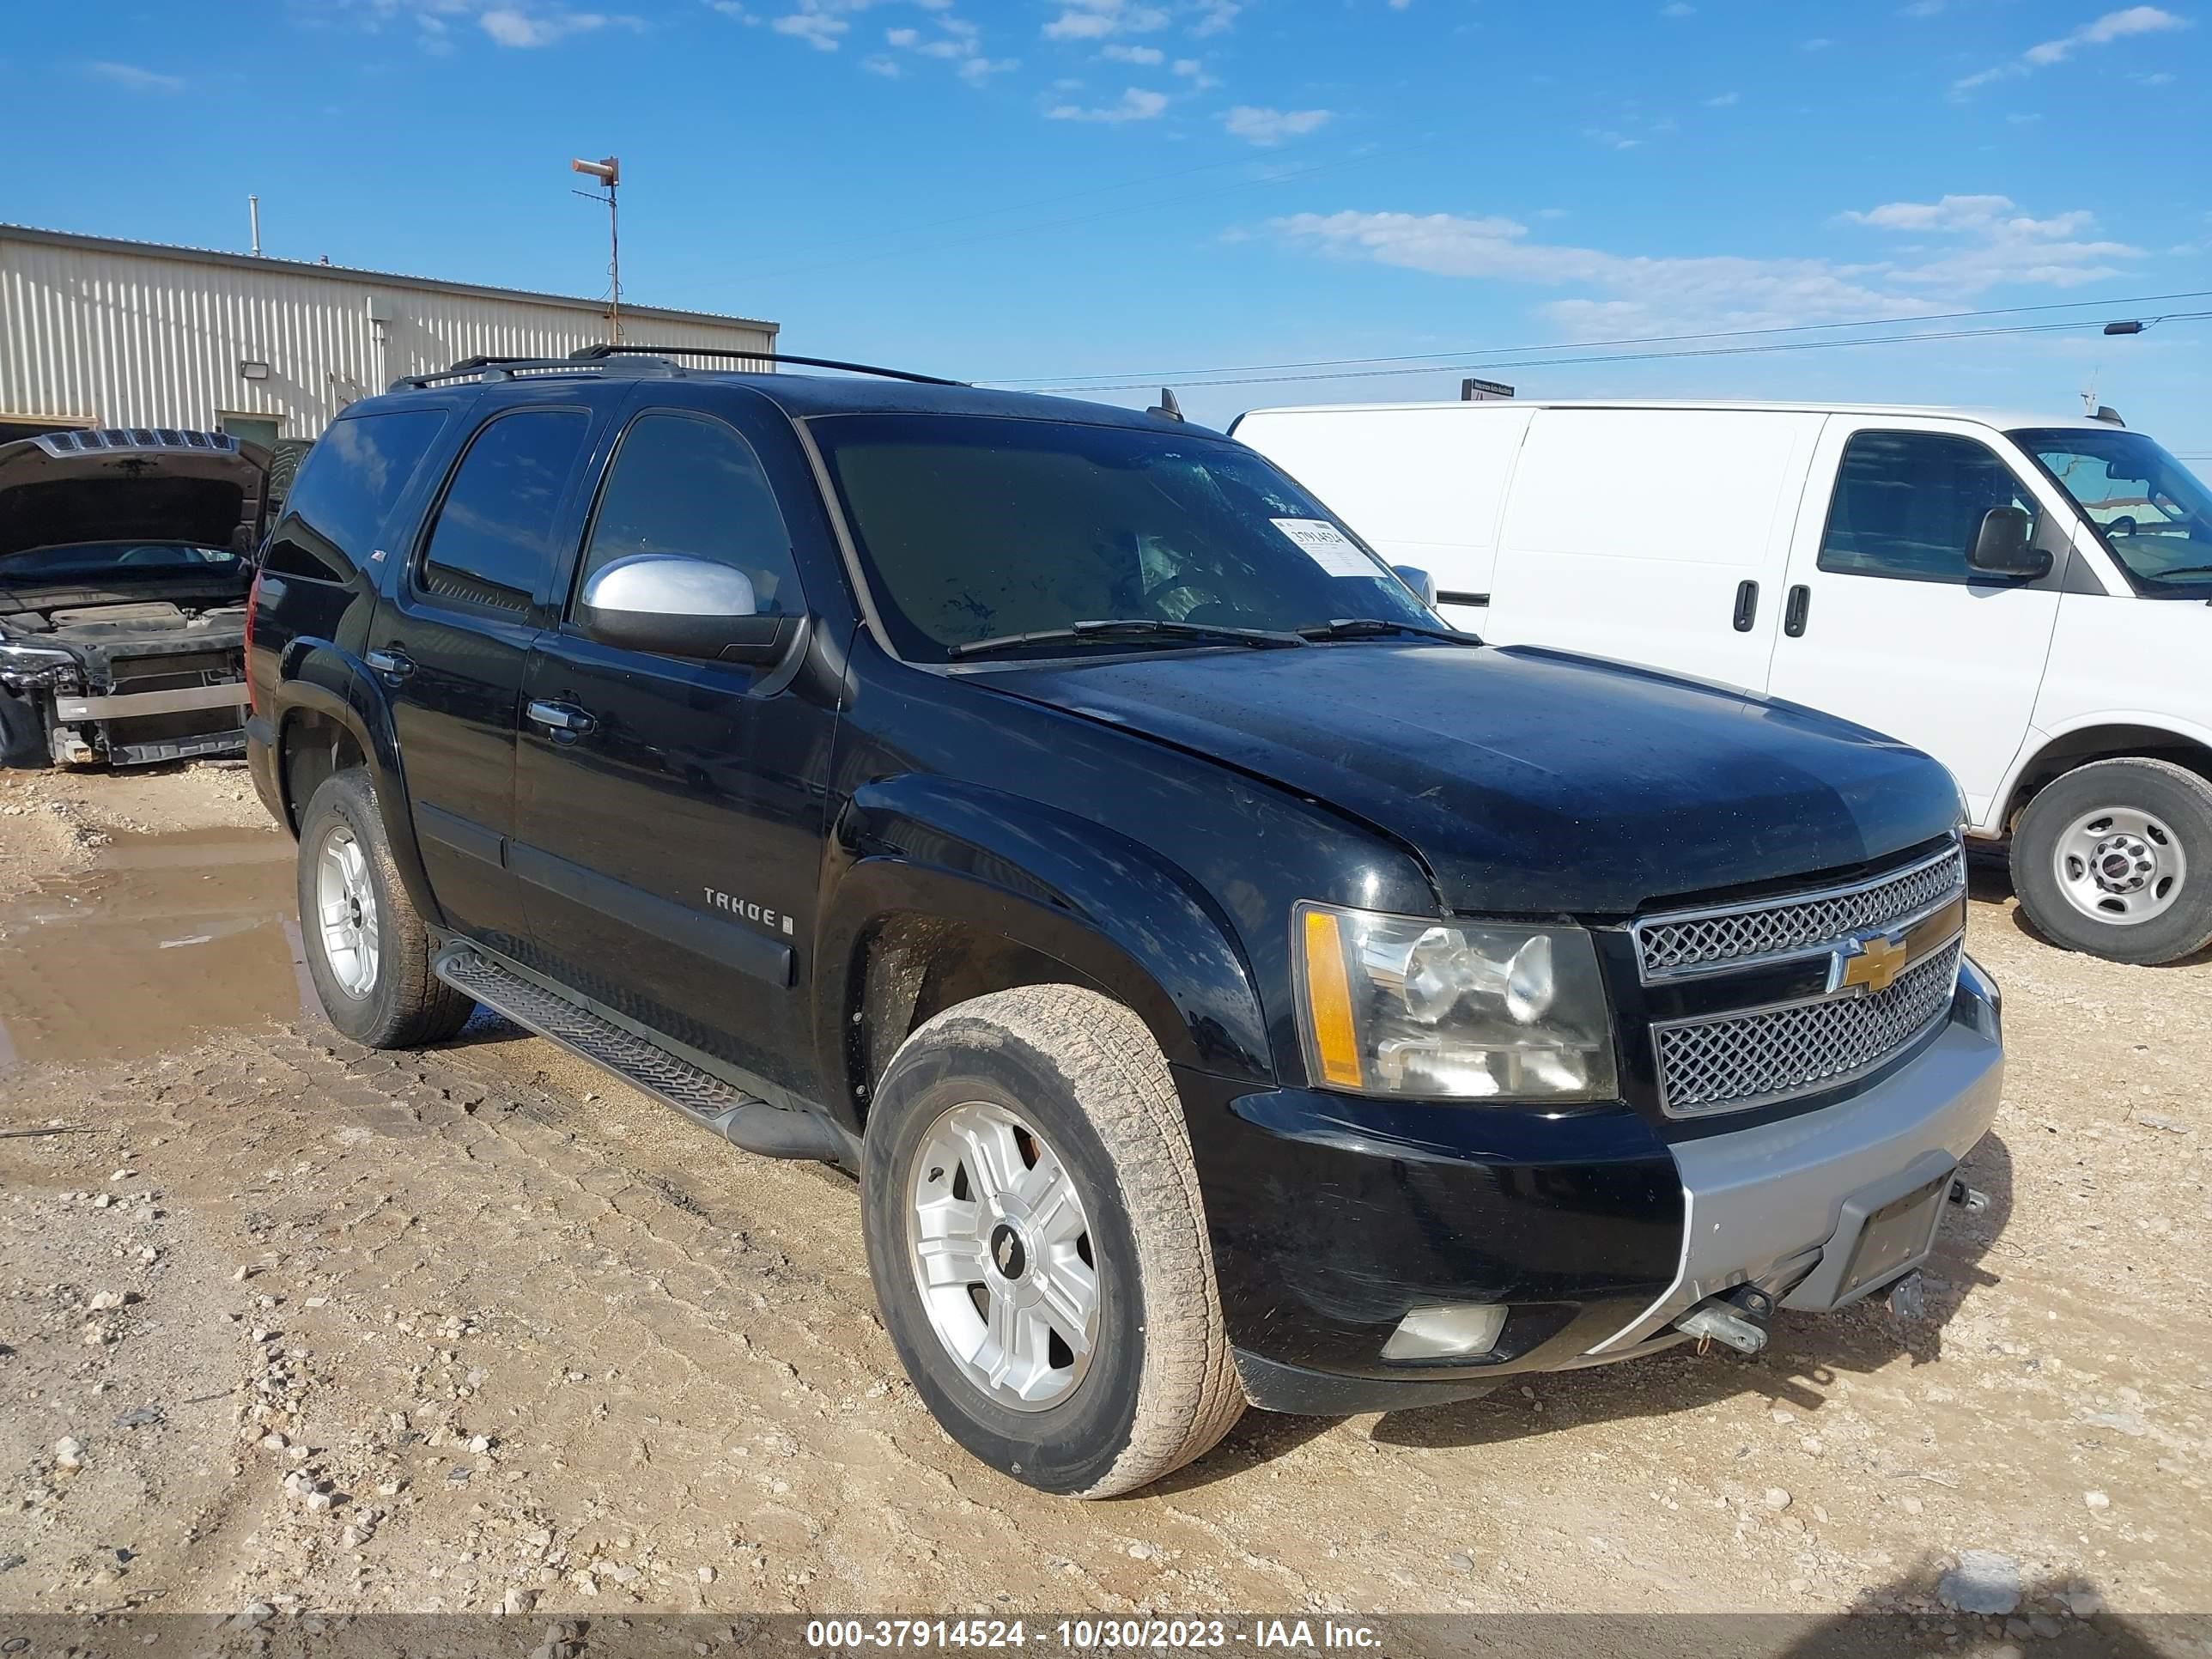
[(1761, 1205), (124, 705)]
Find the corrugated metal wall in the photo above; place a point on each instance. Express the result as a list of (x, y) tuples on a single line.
[(92, 334)]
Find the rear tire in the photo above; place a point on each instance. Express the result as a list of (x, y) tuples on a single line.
[(2115, 859), (368, 949), (1031, 1144)]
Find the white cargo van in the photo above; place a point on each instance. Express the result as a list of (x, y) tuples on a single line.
[(2028, 599)]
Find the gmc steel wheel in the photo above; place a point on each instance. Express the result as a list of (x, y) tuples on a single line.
[(2115, 859)]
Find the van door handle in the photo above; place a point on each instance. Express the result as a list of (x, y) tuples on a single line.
[(1746, 606), (565, 721), (391, 665), (1793, 615)]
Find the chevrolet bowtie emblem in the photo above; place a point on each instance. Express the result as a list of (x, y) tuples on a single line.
[(1870, 962)]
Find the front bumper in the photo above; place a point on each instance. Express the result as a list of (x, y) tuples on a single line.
[(1332, 1217)]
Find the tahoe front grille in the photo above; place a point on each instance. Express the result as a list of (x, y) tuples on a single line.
[(1734, 1062), (1735, 935)]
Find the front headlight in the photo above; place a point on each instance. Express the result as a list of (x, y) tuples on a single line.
[(1471, 1011)]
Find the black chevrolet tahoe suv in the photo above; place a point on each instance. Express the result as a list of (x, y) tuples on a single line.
[(1228, 983)]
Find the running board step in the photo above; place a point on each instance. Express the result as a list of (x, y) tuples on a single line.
[(741, 1119)]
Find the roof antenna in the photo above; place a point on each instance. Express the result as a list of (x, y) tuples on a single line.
[(1167, 408)]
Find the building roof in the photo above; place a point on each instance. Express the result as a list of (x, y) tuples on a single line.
[(390, 279), (2004, 420)]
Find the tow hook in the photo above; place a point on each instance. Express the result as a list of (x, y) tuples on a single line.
[(1968, 1198), (1735, 1319)]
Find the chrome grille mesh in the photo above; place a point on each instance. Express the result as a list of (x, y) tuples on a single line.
[(1673, 944), (1736, 1061)]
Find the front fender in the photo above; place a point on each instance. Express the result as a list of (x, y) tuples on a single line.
[(319, 676), (1121, 918)]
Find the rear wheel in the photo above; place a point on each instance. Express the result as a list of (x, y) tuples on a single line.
[(2115, 859), (1038, 1245), (368, 949)]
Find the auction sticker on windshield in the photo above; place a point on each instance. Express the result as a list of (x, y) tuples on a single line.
[(1328, 546)]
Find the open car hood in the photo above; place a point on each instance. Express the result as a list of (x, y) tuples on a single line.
[(205, 489)]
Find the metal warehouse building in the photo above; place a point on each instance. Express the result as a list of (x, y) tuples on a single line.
[(96, 332)]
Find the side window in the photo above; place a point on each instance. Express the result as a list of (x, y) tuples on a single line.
[(688, 484), (1909, 504), (494, 534), (345, 491)]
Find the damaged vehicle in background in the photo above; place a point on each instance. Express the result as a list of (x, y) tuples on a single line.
[(124, 562)]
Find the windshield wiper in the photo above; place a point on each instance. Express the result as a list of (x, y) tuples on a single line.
[(1355, 628), (1258, 638)]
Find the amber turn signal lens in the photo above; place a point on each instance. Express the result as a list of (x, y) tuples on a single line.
[(1329, 996)]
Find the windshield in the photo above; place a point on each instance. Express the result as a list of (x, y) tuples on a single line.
[(2153, 513), (973, 528), (107, 558)]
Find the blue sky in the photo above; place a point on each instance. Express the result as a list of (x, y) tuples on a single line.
[(1044, 189)]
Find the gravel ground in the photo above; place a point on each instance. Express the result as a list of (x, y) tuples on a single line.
[(291, 1324)]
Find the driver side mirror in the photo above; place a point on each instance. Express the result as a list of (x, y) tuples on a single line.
[(2001, 546), (1423, 584), (675, 606)]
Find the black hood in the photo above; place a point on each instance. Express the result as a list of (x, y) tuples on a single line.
[(1533, 781), (204, 488)]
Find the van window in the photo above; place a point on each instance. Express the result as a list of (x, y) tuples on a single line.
[(1908, 505), (494, 535), (688, 484), (346, 489)]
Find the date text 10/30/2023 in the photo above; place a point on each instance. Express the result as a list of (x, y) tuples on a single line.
[(1159, 1635)]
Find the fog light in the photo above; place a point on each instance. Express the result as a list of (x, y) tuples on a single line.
[(1435, 1333)]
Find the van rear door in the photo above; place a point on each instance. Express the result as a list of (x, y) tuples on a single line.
[(1658, 535), (1884, 623)]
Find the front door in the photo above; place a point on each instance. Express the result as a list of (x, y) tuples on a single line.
[(451, 646), (669, 814), (1884, 623)]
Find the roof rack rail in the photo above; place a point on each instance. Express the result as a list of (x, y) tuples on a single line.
[(592, 353), (507, 368)]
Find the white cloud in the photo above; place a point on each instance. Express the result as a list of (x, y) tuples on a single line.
[(1097, 20), (1214, 17), (1268, 127), (135, 79), (818, 29), (1136, 104), (1194, 72), (1122, 54), (512, 26), (2112, 26), (978, 69), (1978, 243), (902, 37), (1678, 8), (1724, 100), (879, 64)]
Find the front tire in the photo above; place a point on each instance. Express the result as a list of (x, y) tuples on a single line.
[(2115, 859), (1038, 1243), (368, 949)]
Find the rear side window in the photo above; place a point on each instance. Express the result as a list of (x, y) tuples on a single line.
[(346, 489), (494, 535), (688, 485), (1908, 505)]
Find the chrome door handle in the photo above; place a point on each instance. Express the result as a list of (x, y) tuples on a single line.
[(393, 666), (563, 720)]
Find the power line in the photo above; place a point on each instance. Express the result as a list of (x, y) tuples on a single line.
[(1613, 358), (1071, 382)]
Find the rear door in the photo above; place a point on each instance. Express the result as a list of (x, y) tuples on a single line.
[(1884, 623), (1655, 535), (668, 816), (451, 643)]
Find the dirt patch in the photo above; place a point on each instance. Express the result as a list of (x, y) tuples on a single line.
[(509, 1334), (53, 821)]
